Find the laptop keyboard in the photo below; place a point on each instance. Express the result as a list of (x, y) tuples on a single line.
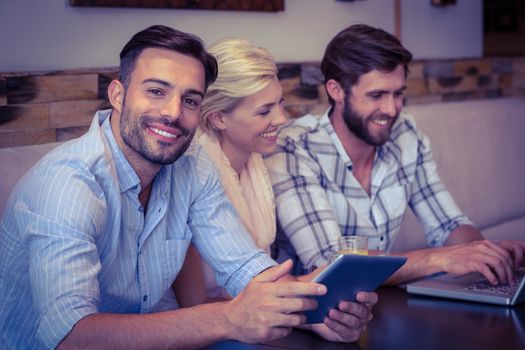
[(505, 289)]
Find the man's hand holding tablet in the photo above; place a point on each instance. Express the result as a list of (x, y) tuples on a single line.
[(349, 274)]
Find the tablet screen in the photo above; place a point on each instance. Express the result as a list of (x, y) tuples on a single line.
[(349, 274)]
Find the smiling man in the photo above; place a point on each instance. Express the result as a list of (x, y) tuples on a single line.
[(356, 169), (94, 235)]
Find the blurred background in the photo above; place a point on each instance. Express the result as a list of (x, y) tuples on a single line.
[(56, 59)]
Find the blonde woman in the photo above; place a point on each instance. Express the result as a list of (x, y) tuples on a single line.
[(240, 117)]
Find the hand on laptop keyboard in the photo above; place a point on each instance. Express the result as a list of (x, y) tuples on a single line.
[(500, 288), (496, 261)]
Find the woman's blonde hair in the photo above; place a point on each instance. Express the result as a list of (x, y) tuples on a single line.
[(244, 70)]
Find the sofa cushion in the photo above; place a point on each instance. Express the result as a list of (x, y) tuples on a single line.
[(15, 162), (512, 229), (478, 147)]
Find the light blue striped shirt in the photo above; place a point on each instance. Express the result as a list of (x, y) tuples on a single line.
[(74, 239)]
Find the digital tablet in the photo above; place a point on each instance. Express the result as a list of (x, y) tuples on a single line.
[(349, 274)]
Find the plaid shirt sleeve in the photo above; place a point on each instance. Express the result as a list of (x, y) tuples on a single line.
[(303, 209), (431, 202)]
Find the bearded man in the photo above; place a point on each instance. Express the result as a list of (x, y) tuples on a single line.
[(356, 169)]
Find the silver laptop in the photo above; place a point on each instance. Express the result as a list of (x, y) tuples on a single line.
[(471, 287)]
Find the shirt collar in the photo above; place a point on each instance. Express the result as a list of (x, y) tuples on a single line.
[(127, 176), (325, 119), (380, 152)]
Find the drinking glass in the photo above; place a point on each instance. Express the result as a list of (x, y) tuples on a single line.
[(352, 245)]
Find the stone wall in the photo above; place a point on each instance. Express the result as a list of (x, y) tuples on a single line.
[(56, 106)]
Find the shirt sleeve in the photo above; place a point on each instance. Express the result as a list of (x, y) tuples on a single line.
[(60, 215), (430, 201), (303, 209), (219, 234)]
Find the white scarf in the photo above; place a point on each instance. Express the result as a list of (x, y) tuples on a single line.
[(251, 195)]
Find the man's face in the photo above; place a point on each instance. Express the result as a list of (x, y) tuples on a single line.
[(161, 106), (374, 104)]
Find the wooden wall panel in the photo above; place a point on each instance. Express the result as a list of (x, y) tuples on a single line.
[(37, 107), (50, 88), (24, 117), (416, 70), (452, 84), (104, 78), (472, 67), (3, 92), (416, 87), (73, 113)]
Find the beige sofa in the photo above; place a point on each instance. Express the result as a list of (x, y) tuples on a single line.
[(14, 163), (478, 147)]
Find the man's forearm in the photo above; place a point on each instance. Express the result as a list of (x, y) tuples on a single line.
[(428, 261), (188, 328), (420, 263), (463, 234)]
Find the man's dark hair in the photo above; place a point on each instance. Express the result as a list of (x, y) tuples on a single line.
[(359, 49), (164, 37)]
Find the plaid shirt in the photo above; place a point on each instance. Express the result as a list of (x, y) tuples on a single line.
[(318, 199)]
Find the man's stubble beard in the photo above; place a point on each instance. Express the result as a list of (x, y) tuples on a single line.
[(358, 123), (132, 133)]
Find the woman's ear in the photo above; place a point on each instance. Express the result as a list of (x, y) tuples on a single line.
[(216, 121), (335, 90), (116, 93)]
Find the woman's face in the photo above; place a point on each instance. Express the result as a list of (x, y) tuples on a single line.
[(252, 126)]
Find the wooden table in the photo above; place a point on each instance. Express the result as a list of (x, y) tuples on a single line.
[(403, 321)]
